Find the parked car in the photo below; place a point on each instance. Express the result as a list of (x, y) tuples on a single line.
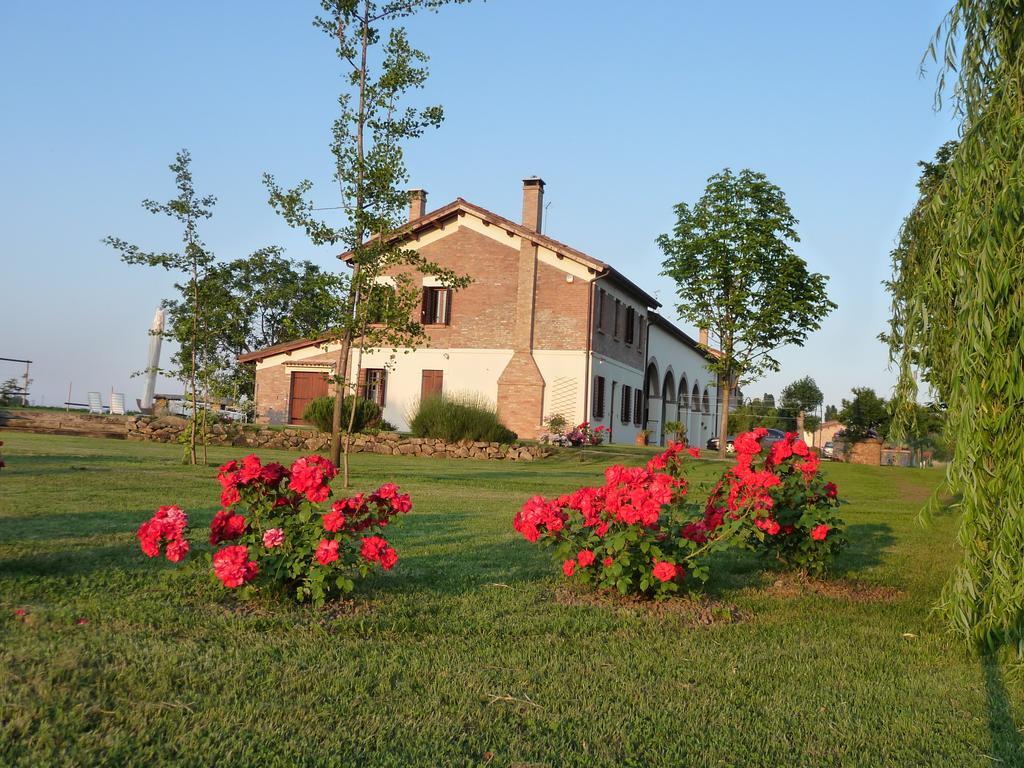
[(828, 450), (773, 436)]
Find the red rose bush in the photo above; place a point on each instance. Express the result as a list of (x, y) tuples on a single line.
[(278, 526), (636, 533), (790, 506)]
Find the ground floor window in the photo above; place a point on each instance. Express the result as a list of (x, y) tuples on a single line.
[(638, 407), (373, 385), (597, 411), (627, 403)]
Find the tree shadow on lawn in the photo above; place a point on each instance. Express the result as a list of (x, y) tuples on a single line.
[(866, 548), (1007, 743), (76, 525), (76, 562)]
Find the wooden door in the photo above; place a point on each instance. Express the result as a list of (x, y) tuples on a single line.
[(432, 384), (305, 386)]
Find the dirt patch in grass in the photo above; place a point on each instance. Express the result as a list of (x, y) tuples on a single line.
[(695, 610), (792, 586)]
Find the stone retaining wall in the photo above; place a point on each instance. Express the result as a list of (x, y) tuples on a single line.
[(169, 429)]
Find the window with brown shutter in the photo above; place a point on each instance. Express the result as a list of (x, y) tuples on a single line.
[(627, 402), (615, 326), (600, 310), (630, 322), (641, 336), (597, 408), (372, 384), (431, 384), (437, 306), (638, 407)]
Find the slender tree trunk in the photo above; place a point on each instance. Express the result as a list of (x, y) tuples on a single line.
[(195, 342), (337, 447), (723, 426)]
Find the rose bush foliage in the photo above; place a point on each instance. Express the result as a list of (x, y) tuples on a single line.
[(636, 533), (273, 530), (639, 534), (790, 505)]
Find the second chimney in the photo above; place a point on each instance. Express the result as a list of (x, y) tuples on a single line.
[(417, 203), (533, 202), (704, 337)]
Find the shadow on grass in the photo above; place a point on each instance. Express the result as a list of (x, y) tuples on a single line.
[(75, 525), (868, 543), (1007, 744), (76, 562)]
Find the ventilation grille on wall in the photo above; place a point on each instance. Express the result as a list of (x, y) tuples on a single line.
[(563, 397)]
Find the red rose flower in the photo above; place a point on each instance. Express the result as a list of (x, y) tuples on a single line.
[(310, 476), (819, 532), (831, 490), (177, 549), (585, 558), (608, 562), (569, 567), (695, 452), (327, 552), (233, 567), (334, 520), (274, 537), (664, 571), (388, 558), (226, 526), (768, 525), (373, 547)]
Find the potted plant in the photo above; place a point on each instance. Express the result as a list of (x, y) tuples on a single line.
[(676, 428), (643, 436)]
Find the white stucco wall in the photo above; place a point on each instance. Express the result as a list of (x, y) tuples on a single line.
[(618, 374), (668, 353), (565, 379), (470, 371)]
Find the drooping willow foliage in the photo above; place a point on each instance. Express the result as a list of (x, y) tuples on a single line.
[(958, 312)]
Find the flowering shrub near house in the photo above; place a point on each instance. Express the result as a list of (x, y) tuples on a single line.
[(272, 530), (580, 435), (782, 492), (635, 533)]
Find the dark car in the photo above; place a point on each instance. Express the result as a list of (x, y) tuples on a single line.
[(773, 436)]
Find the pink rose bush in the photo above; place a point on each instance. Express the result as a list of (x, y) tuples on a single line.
[(639, 534), (279, 528)]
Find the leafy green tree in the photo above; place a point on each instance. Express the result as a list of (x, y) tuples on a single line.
[(738, 276), (193, 261), (252, 303), (800, 400), (381, 68), (956, 312), (864, 416), (831, 413), (751, 415)]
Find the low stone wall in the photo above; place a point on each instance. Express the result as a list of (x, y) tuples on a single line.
[(56, 422), (169, 430)]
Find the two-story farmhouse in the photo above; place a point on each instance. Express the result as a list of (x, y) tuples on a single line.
[(543, 329)]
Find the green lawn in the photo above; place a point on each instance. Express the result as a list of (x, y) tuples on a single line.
[(464, 655)]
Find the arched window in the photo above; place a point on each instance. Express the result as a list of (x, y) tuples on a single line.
[(695, 398), (707, 402), (652, 381), (669, 388), (684, 394)]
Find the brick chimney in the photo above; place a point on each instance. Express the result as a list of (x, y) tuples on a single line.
[(533, 202), (704, 336), (417, 203)]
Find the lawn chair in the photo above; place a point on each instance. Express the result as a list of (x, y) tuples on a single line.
[(95, 403), (117, 403)]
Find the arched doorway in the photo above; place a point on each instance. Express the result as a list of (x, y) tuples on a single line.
[(668, 403), (652, 400)]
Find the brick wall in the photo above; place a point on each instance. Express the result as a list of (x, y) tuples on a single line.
[(561, 310)]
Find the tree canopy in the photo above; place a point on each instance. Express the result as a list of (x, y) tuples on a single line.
[(737, 275), (802, 396)]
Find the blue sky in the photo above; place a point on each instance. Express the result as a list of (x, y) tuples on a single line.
[(623, 108)]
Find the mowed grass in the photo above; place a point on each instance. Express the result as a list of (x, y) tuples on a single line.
[(463, 655)]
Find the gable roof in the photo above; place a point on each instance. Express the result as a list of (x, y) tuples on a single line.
[(459, 207), (670, 328), (284, 347)]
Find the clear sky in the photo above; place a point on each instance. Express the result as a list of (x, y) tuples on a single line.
[(623, 108)]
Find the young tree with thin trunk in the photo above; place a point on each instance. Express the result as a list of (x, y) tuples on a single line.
[(381, 68), (737, 275), (194, 261), (800, 400)]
